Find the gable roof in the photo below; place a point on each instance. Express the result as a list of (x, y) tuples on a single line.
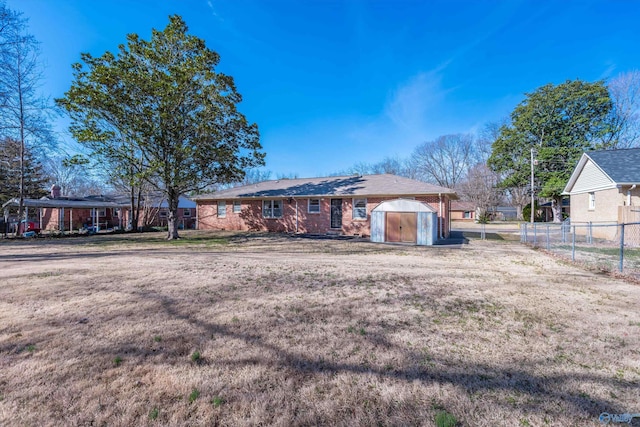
[(619, 167), (622, 166), (352, 185)]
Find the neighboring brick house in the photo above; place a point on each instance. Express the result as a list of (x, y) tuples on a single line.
[(64, 213), (333, 205), (72, 213), (463, 211), (604, 188), (158, 210)]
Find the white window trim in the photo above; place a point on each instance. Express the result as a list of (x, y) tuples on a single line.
[(162, 213), (222, 203), (271, 202), (353, 210), (592, 201), (237, 206), (186, 212), (309, 206)]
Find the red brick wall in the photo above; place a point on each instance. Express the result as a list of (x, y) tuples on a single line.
[(250, 217), (51, 218)]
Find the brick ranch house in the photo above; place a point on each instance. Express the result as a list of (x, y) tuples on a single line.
[(402, 208)]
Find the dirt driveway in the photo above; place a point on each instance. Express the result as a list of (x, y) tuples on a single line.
[(245, 329)]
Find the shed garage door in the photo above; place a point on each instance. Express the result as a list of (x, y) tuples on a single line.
[(401, 227)]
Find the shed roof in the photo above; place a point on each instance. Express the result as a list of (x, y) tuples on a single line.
[(352, 185), (403, 205)]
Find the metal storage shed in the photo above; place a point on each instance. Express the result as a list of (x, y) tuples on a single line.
[(404, 221)]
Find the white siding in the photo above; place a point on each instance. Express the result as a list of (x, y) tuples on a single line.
[(591, 178)]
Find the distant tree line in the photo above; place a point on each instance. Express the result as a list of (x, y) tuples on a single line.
[(558, 122)]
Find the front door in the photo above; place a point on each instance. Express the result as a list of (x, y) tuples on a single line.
[(336, 213)]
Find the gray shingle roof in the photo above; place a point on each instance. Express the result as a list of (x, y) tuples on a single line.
[(623, 166), (353, 185)]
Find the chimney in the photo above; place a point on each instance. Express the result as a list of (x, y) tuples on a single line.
[(55, 191)]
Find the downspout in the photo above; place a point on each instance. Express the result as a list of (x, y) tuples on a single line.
[(633, 187), (449, 215), (441, 231), (296, 214)]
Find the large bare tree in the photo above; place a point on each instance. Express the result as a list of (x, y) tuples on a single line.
[(445, 160), (480, 187), (624, 90)]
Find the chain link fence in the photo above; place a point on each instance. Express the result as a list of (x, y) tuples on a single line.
[(603, 246)]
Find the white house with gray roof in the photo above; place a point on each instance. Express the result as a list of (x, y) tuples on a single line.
[(402, 209), (605, 188)]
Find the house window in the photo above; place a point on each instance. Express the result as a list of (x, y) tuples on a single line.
[(314, 206), (466, 215), (222, 209), (359, 208), (592, 201), (272, 208), (186, 212), (237, 206), (162, 214)]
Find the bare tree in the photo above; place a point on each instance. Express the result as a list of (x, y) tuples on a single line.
[(22, 109), (518, 197), (481, 187), (254, 176), (624, 90), (391, 165), (446, 160), (73, 176)]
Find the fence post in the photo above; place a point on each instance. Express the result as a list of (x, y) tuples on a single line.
[(589, 235), (523, 233), (621, 247), (535, 234), (548, 244), (483, 231), (573, 245)]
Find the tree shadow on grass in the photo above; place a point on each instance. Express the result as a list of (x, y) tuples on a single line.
[(472, 377)]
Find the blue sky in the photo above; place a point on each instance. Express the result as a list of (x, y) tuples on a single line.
[(332, 83)]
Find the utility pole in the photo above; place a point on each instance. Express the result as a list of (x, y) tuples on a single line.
[(532, 188), (533, 163)]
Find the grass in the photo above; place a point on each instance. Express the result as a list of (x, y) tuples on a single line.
[(195, 394), (153, 414), (301, 331), (217, 401), (445, 419)]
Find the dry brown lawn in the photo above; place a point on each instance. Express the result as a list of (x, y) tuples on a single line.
[(246, 329)]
